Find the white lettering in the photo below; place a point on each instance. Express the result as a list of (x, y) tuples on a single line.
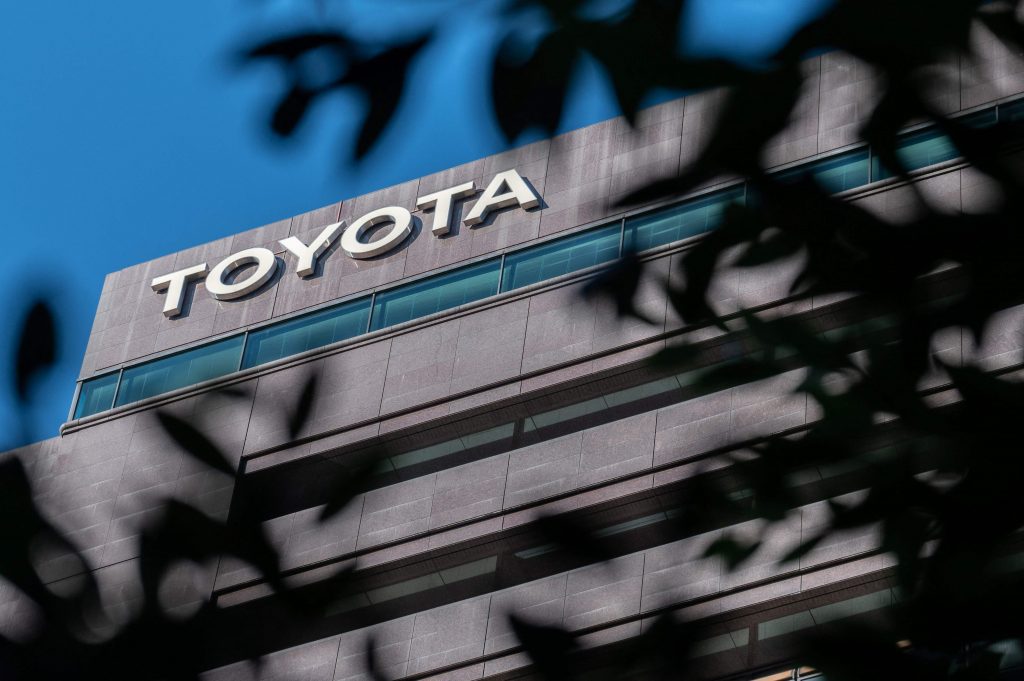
[(505, 190), (355, 247), (176, 284), (442, 202), (518, 193), (308, 255), (266, 265)]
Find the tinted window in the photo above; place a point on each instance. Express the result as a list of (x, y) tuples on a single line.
[(97, 395), (918, 150), (835, 174), (678, 222), (563, 256), (177, 371), (435, 294), (307, 333)]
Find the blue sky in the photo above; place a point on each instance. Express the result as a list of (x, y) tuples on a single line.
[(127, 131)]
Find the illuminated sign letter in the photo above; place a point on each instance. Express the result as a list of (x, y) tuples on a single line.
[(351, 240), (441, 202), (266, 265), (308, 255), (518, 193), (176, 283)]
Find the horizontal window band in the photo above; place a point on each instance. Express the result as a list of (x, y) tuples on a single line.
[(431, 581)]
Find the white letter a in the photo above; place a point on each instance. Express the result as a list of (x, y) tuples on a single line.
[(518, 193)]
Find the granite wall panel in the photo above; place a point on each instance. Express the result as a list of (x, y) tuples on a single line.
[(467, 491), (543, 470), (1002, 342), (314, 661), (391, 643), (799, 140), (396, 511), (600, 593), (449, 634), (993, 70), (903, 204), (578, 184), (420, 366), (680, 571), (349, 390), (489, 347), (849, 89), (541, 602)]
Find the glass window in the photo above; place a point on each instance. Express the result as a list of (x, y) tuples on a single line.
[(562, 256), (177, 371), (643, 391), (835, 174), (1014, 111), (980, 119), (307, 333), (96, 395), (918, 150), (678, 222), (435, 294)]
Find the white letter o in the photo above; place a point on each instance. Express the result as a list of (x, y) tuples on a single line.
[(355, 248), (266, 265)]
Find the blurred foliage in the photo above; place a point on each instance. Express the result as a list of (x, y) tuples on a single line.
[(946, 496)]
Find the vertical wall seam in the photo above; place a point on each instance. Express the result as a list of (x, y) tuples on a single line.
[(526, 339), (423, 230), (682, 128), (643, 573), (337, 658), (821, 76), (384, 383), (362, 512), (504, 489), (547, 169), (113, 508)]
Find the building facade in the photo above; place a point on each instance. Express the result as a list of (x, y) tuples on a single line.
[(465, 356)]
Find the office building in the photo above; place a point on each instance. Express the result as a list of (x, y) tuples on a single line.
[(465, 352)]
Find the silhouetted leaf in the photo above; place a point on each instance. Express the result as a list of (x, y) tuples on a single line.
[(381, 78), (352, 483), (674, 355), (372, 664), (294, 46), (802, 549), (184, 532), (619, 283), (813, 350), (37, 347), (731, 550), (775, 246), (25, 537), (548, 647), (291, 110), (304, 407), (194, 442), (663, 649), (577, 537), (529, 92)]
